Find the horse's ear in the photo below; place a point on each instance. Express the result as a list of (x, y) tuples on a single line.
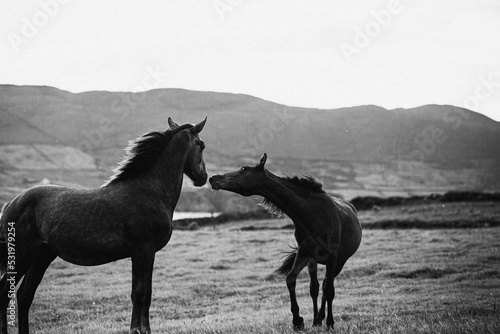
[(198, 127), (172, 124), (262, 161)]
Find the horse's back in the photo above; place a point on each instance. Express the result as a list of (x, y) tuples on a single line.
[(27, 199), (55, 202)]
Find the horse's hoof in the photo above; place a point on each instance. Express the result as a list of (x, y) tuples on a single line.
[(318, 320), (298, 324), (138, 331)]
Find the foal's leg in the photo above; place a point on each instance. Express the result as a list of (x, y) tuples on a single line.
[(329, 291), (321, 314), (314, 289), (299, 264), (142, 275), (32, 279)]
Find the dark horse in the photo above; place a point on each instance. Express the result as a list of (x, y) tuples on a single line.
[(129, 216), (326, 228)]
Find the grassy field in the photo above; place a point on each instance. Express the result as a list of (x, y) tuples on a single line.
[(220, 280)]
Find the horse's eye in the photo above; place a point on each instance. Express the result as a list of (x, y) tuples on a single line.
[(243, 168)]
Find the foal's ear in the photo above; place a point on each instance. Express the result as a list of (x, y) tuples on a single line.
[(262, 162), (172, 124), (198, 127)]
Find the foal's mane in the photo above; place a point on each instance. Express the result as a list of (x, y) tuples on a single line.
[(306, 184), (309, 183), (142, 153)]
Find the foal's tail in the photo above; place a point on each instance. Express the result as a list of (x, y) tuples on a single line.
[(3, 242), (287, 264)]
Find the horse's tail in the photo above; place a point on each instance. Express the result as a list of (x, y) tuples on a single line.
[(3, 241), (3, 209), (287, 264)]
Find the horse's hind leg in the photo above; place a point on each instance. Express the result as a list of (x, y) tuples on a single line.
[(41, 261), (329, 288), (314, 289), (321, 313), (4, 301), (8, 282)]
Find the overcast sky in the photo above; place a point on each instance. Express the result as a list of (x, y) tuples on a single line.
[(324, 54)]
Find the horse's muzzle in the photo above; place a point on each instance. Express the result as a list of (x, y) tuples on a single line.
[(214, 182), (201, 180)]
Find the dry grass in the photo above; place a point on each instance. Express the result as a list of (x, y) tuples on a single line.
[(221, 281)]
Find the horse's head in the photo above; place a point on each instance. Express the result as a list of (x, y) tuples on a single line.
[(194, 167), (243, 181)]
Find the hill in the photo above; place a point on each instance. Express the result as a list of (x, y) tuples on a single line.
[(243, 125), (354, 151)]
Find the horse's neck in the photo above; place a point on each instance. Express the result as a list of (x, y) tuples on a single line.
[(281, 193), (165, 177)]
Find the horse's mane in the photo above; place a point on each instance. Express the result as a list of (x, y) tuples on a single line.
[(307, 184), (142, 153)]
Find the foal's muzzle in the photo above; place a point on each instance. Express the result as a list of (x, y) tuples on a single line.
[(215, 182)]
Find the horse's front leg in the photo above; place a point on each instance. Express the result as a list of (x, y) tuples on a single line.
[(299, 264), (142, 274)]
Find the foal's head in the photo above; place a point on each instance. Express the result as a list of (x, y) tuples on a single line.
[(194, 167), (244, 181)]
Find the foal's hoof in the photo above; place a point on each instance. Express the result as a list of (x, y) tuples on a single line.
[(298, 324), (318, 320)]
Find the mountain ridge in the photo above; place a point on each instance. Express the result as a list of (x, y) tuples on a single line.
[(362, 150), (243, 116), (430, 105)]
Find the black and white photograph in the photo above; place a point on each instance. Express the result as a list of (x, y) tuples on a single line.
[(260, 167)]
